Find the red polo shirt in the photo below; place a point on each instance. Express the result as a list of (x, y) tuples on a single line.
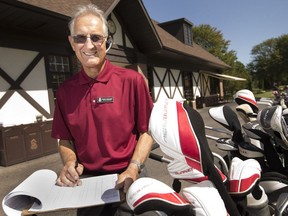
[(103, 116)]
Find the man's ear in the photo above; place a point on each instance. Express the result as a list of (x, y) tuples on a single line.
[(71, 42), (109, 43)]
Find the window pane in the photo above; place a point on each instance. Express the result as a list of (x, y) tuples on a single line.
[(59, 67), (52, 67), (187, 34)]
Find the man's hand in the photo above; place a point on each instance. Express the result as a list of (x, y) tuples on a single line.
[(69, 175), (126, 178)]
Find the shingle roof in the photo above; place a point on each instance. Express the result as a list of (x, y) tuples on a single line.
[(169, 42), (172, 43), (67, 7)]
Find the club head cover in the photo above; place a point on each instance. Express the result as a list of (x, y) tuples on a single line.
[(265, 101), (246, 113), (273, 122), (254, 130), (282, 204), (206, 199), (265, 146), (245, 96), (273, 182), (226, 144), (179, 130), (225, 116), (285, 115), (243, 176), (251, 148), (221, 114), (148, 194), (257, 200), (180, 170)]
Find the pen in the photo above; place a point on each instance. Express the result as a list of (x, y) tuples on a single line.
[(76, 164), (77, 180)]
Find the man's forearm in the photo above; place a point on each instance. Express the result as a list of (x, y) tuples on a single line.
[(67, 151), (143, 148)]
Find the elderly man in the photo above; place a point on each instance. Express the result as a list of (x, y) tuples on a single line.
[(101, 114)]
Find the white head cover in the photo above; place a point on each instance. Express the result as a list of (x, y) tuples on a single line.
[(180, 132), (246, 113), (170, 127), (246, 96), (180, 170), (206, 199), (217, 114), (272, 120), (243, 175), (146, 194)]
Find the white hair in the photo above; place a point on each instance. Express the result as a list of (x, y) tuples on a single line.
[(88, 9)]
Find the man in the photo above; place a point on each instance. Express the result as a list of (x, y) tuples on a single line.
[(101, 114)]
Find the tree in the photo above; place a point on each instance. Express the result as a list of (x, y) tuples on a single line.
[(210, 39), (270, 62), (213, 41), (282, 46)]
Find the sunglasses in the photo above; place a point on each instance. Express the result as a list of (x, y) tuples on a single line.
[(97, 39)]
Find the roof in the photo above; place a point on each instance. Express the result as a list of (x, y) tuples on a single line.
[(223, 76), (67, 7), (173, 44), (150, 38)]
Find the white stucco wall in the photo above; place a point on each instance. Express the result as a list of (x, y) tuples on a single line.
[(196, 86), (172, 90), (17, 110)]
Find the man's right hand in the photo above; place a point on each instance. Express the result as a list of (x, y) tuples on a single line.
[(69, 175)]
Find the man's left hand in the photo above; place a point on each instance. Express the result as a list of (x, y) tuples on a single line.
[(126, 178)]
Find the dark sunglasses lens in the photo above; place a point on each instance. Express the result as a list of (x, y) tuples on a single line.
[(80, 39), (95, 38)]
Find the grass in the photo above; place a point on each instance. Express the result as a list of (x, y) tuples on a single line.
[(258, 93), (264, 94)]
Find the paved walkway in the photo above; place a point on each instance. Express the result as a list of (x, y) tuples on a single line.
[(11, 176)]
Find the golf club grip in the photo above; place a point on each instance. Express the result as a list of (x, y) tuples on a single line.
[(156, 157)]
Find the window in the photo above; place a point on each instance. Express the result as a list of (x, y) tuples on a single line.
[(187, 34), (214, 85), (59, 70), (187, 84)]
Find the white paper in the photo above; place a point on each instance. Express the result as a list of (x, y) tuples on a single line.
[(49, 197)]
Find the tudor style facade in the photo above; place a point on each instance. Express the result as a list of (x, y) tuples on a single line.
[(36, 57)]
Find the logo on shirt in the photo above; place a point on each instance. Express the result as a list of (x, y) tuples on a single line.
[(105, 100)]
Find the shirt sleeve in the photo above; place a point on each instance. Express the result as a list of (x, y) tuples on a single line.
[(59, 127), (144, 105)]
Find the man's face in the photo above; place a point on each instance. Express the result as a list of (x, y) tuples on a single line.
[(90, 54)]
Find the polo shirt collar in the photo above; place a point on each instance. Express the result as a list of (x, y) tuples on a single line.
[(103, 77)]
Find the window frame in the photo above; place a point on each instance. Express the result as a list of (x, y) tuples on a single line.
[(56, 77), (187, 34)]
